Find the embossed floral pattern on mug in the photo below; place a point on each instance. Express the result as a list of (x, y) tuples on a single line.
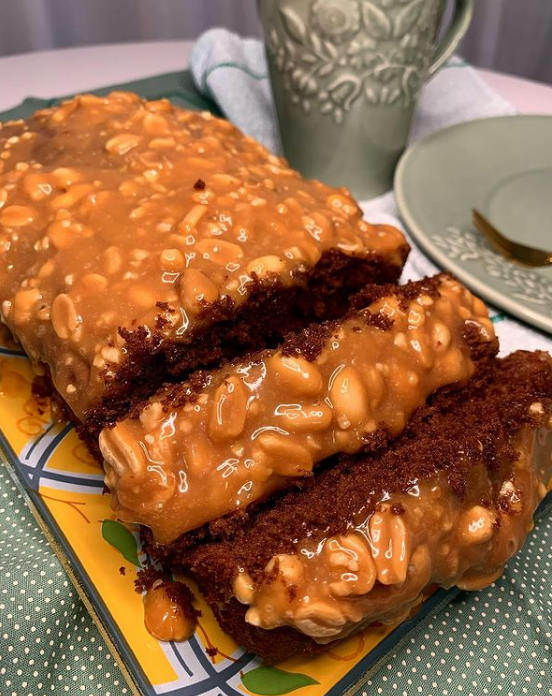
[(346, 50)]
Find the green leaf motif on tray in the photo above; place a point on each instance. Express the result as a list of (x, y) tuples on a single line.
[(122, 539), (271, 681)]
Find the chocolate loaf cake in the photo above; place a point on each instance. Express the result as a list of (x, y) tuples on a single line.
[(140, 241), (448, 502), (199, 451), (340, 443)]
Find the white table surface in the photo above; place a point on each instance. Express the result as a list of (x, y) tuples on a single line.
[(55, 73)]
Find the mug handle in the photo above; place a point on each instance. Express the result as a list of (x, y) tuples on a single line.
[(463, 11)]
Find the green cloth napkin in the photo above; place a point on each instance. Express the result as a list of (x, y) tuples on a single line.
[(497, 641)]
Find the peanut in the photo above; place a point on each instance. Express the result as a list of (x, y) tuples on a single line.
[(164, 617), (61, 233), (244, 588), (419, 344), (151, 415), (349, 556), (476, 525), (142, 296), (66, 177), (46, 269), (320, 619), (298, 418), (17, 216), (162, 143), (224, 180), (122, 143), (121, 452), (264, 265), (441, 336), (23, 305), (64, 111), (155, 124), (290, 568), (196, 289), (91, 284), (198, 454), (112, 260), (111, 354), (219, 251), (172, 260), (162, 106), (284, 455), (192, 218), (306, 252), (349, 398), (37, 186), (229, 411), (296, 374), (75, 194), (64, 316), (390, 546), (375, 386)]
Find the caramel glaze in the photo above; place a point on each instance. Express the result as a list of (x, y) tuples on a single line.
[(192, 456), (121, 218), (169, 614), (378, 569), (448, 501)]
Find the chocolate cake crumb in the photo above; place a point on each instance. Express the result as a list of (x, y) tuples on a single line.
[(147, 576), (199, 185), (378, 320), (41, 388), (179, 593), (405, 293), (122, 570), (310, 342)]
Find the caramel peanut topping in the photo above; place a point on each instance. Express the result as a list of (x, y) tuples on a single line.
[(256, 424), (168, 612), (116, 212), (379, 567)]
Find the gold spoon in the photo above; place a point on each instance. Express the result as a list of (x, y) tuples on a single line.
[(519, 253)]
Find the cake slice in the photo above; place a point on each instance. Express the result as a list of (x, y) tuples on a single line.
[(447, 503), (202, 450), (141, 241)]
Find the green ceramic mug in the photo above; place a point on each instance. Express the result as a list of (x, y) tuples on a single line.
[(346, 76)]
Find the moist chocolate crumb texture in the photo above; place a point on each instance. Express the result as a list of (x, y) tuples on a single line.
[(140, 241), (189, 457), (447, 503)]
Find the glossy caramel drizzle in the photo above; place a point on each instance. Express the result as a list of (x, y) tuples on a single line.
[(261, 422), (117, 212), (378, 569)]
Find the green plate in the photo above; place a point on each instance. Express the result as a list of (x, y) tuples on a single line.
[(503, 167)]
